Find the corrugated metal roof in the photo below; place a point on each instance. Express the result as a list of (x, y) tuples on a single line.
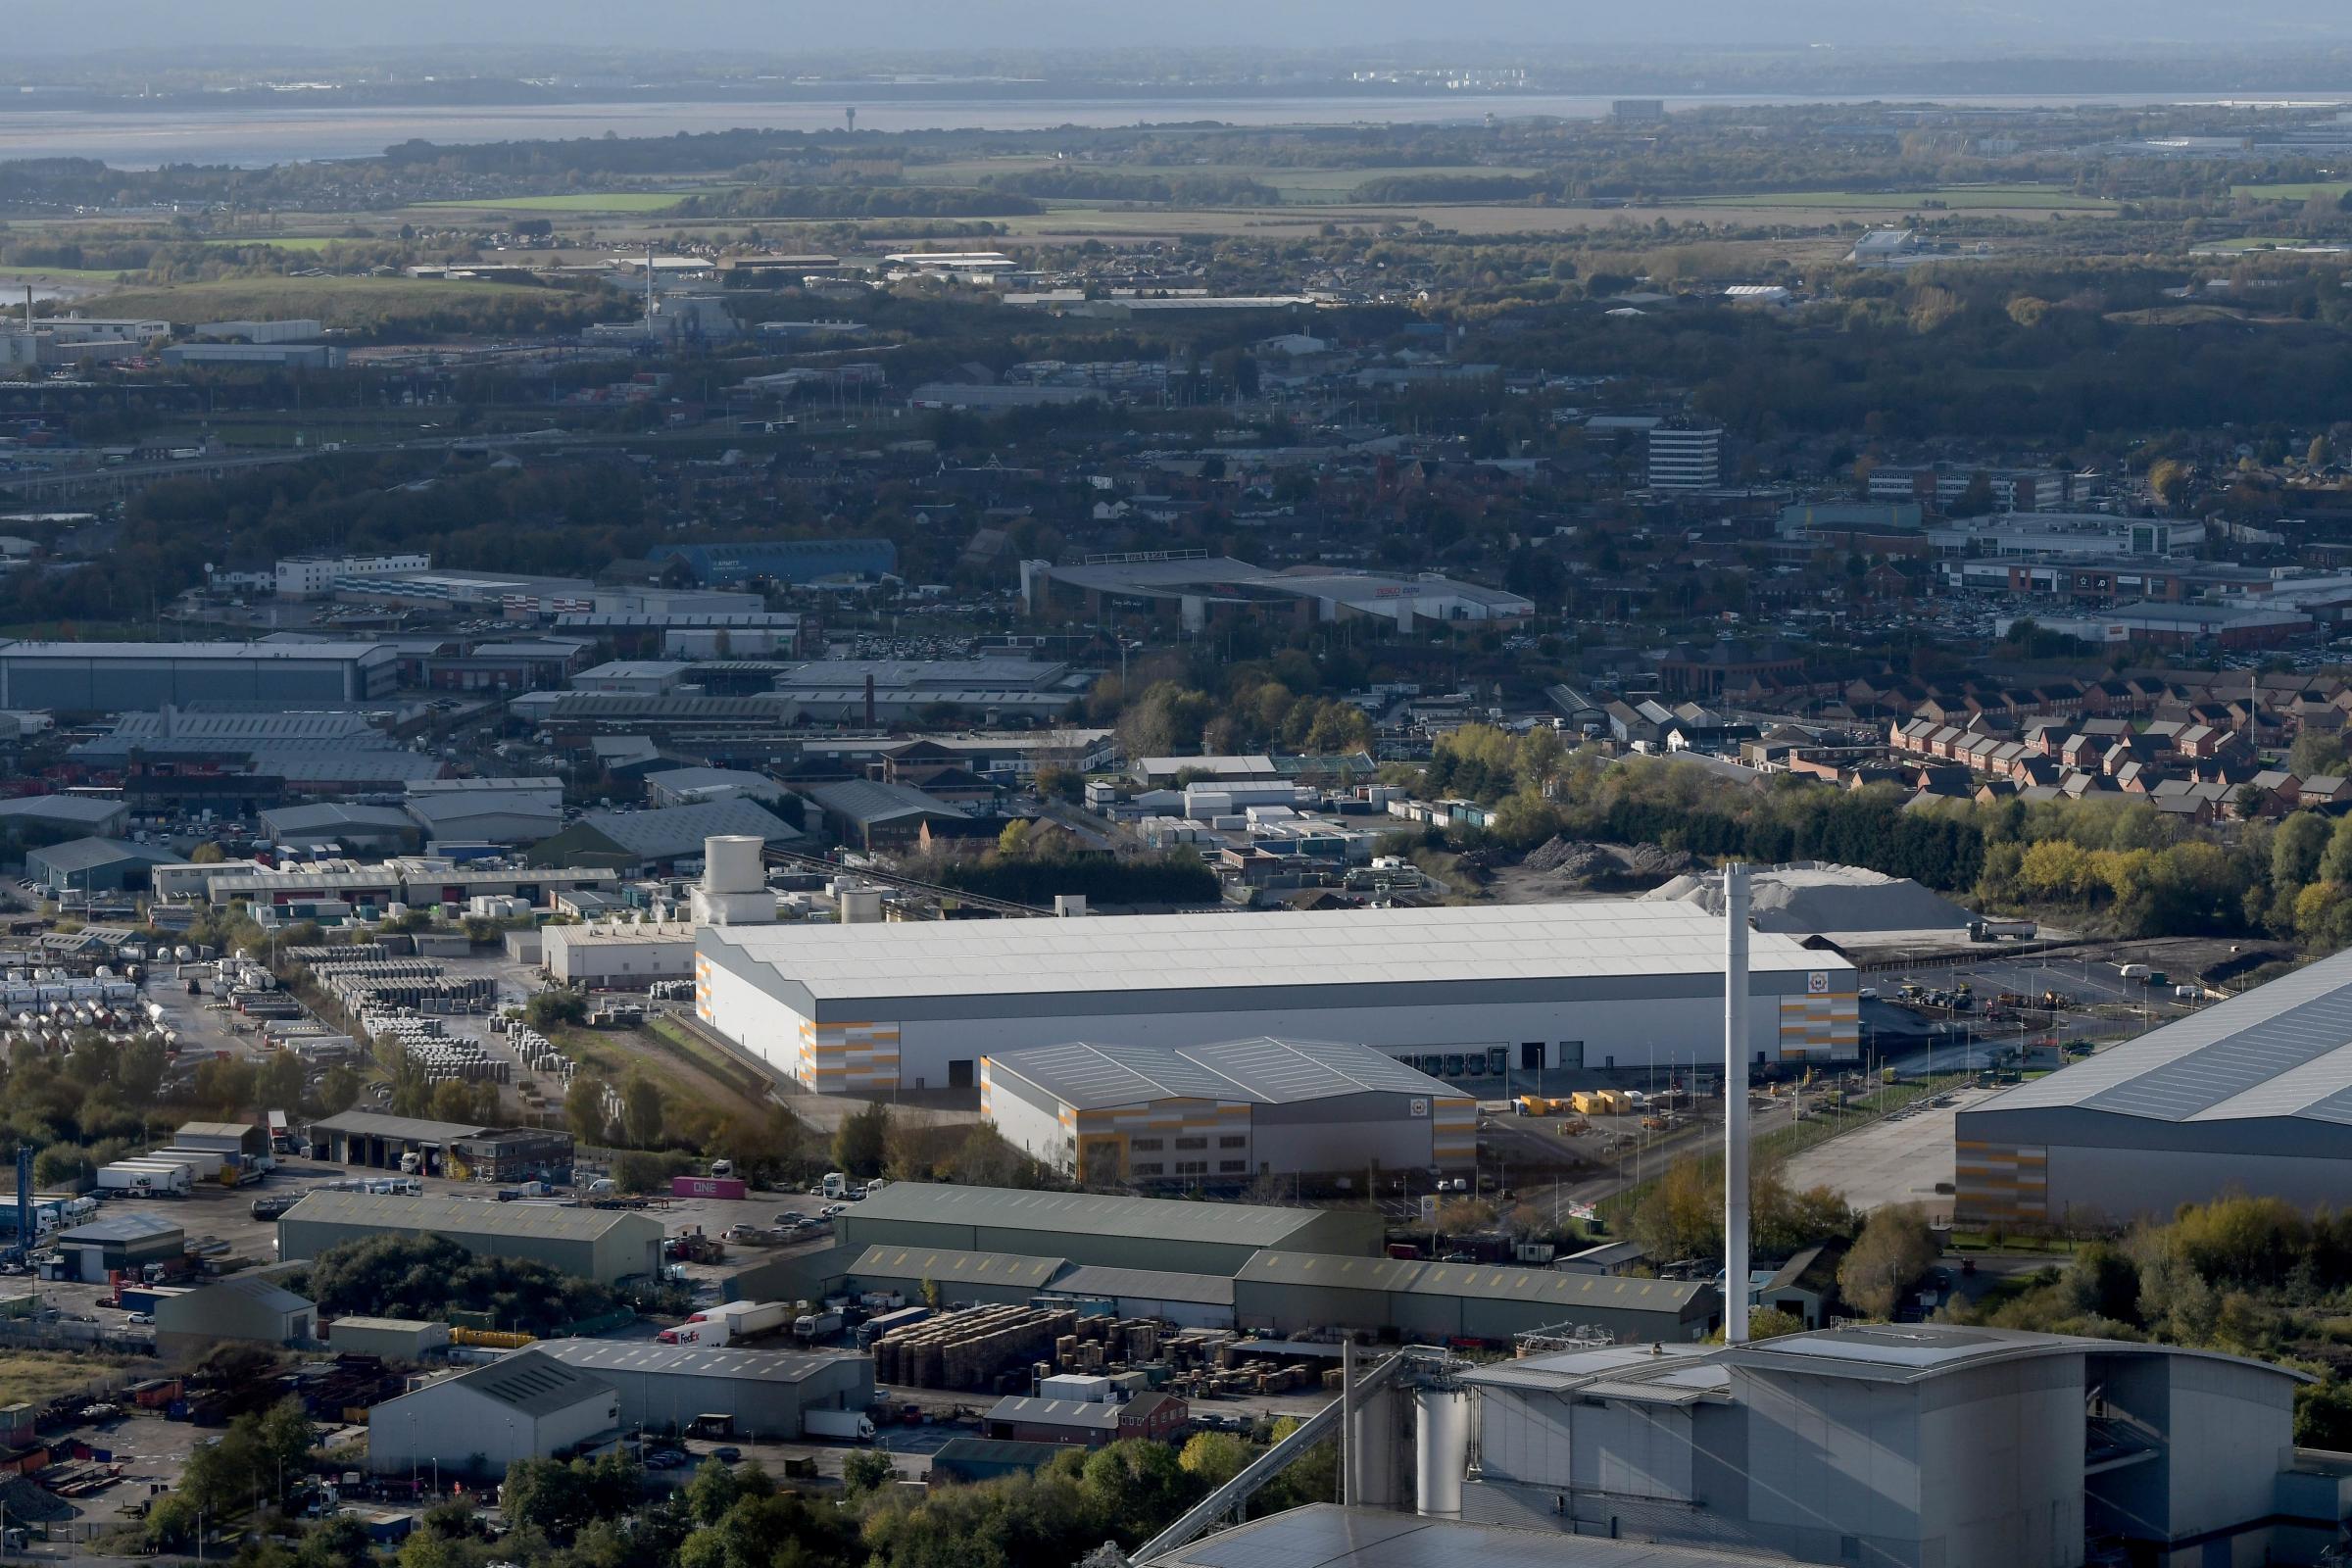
[(410, 1129), (950, 1267), (688, 1361), (2280, 1050), (462, 1216), (1602, 938), (1480, 1281), (533, 1384), (1144, 1284), (122, 1228), (1077, 1213), (681, 829), (1263, 1071), (1094, 1415)]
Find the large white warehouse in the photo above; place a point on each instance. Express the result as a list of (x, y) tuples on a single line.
[(2253, 1094), (1225, 1114), (1593, 988)]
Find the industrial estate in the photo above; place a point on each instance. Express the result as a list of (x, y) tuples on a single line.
[(1280, 802)]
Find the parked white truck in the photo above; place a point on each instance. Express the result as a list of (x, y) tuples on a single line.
[(842, 1425)]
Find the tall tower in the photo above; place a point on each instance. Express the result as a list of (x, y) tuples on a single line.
[(1735, 1103), (850, 114)]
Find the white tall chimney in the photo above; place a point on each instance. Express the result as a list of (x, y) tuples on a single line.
[(1735, 1103)]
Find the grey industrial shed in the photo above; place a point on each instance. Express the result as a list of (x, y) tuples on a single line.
[(395, 1339), (247, 1306), (666, 1387), (95, 865), (2252, 1095), (1085, 1228), (1290, 1292), (1188, 1300), (592, 1243), (960, 1276)]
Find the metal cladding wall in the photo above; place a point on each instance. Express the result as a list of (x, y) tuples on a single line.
[(1356, 1233), (2068, 1163), (1435, 1316), (1122, 1252), (1594, 1023), (759, 1408), (103, 683)]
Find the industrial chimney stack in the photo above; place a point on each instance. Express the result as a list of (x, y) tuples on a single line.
[(1735, 1103)]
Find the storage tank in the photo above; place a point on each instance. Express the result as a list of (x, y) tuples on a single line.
[(1441, 1451), (860, 906), (731, 863)]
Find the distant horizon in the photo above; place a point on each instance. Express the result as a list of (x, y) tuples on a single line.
[(742, 28)]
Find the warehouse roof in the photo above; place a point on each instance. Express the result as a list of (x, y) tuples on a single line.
[(949, 1267), (1323, 1535), (1484, 1281), (536, 783), (1094, 1415), (326, 816), (89, 854), (680, 829), (121, 1228), (85, 808), (410, 1129), (872, 801), (1081, 1214), (1144, 1284), (383, 1325), (532, 1383), (263, 1292), (685, 1361), (461, 1216), (216, 1129), (1601, 938), (2280, 1050), (159, 653), (1262, 1072)]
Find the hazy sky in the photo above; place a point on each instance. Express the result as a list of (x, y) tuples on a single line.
[(915, 25)]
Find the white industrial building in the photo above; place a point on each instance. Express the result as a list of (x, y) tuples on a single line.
[(2252, 1095), (1228, 1113), (528, 1405), (1586, 990), (621, 957)]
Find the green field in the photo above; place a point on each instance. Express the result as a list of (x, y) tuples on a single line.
[(1955, 198), (612, 200), (2296, 191)]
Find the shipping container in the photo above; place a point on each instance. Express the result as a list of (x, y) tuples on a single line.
[(732, 1187)]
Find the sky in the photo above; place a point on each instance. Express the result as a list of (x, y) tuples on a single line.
[(912, 26)]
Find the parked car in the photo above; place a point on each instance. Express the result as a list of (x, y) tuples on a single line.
[(140, 1317), (727, 1456)]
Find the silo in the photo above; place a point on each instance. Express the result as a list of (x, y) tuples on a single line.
[(731, 865), (1442, 1451)]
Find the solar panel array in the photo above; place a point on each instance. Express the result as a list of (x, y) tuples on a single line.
[(2281, 1049)]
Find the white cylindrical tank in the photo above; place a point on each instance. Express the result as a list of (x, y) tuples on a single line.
[(860, 906), (731, 863), (1441, 1451)]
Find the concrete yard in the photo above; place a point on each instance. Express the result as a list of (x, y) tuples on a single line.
[(1898, 1160)]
